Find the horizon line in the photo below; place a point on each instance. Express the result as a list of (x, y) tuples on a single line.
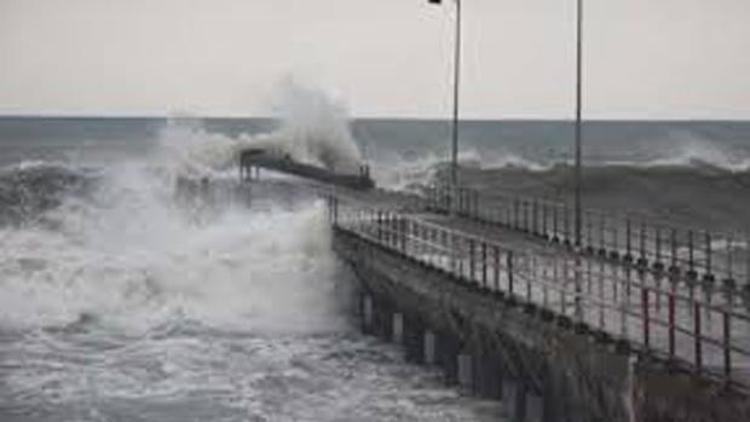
[(156, 116)]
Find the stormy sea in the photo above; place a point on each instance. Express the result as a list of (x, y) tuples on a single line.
[(120, 301)]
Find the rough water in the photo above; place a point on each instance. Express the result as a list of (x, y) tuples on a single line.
[(119, 301), (694, 174)]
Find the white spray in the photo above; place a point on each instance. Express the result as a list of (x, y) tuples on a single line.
[(130, 256), (312, 128)]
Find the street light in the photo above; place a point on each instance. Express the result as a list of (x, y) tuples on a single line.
[(456, 84), (579, 87), (578, 124)]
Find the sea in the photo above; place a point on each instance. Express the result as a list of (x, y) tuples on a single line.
[(119, 302)]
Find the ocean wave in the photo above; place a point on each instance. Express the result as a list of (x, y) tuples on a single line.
[(30, 188)]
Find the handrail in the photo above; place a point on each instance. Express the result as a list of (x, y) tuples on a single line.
[(702, 328), (699, 254)]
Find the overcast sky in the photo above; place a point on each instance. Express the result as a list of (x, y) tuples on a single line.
[(644, 58)]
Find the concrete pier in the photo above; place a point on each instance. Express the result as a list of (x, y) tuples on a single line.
[(641, 322), (509, 310), (542, 368)]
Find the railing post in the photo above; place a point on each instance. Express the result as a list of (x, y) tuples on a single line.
[(626, 301), (697, 336), (730, 266), (392, 234), (455, 264), (643, 261), (509, 269), (484, 264), (404, 225), (727, 337), (437, 248), (546, 275), (555, 228), (497, 268), (658, 264), (691, 255), (646, 319), (615, 253), (396, 227), (467, 202), (379, 225), (397, 239), (476, 204), (415, 244), (386, 228), (464, 206), (708, 276), (589, 233), (602, 304), (508, 215), (472, 263), (444, 241), (673, 280), (628, 241), (578, 274), (530, 275), (335, 211), (556, 279), (674, 268), (544, 221), (567, 224), (329, 203), (602, 235)]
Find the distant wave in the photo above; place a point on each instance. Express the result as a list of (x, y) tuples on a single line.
[(412, 171)]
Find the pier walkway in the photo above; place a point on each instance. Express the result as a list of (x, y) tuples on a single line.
[(671, 312)]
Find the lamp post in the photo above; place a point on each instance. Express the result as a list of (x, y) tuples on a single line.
[(579, 88), (456, 86)]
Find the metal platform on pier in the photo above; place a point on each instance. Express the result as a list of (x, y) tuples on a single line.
[(257, 159)]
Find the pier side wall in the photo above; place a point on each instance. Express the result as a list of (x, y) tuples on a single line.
[(489, 346)]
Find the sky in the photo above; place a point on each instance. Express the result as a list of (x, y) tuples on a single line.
[(643, 59)]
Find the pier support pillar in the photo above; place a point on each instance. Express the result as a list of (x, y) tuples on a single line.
[(534, 408), (513, 400), (465, 364), (397, 333), (430, 343), (448, 348), (368, 314), (413, 340), (383, 320), (488, 377)]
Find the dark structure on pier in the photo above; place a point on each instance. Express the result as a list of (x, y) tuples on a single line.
[(259, 158)]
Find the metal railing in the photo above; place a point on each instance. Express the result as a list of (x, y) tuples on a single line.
[(663, 314), (699, 255)]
